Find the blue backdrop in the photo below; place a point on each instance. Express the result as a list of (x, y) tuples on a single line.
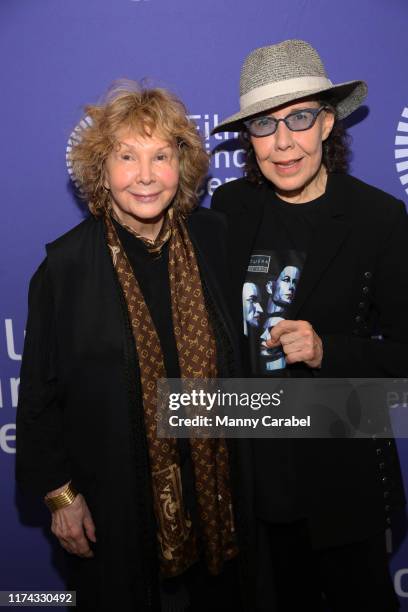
[(58, 55)]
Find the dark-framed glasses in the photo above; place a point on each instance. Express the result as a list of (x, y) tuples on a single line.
[(296, 121)]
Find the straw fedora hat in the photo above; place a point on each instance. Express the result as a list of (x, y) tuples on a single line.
[(286, 72)]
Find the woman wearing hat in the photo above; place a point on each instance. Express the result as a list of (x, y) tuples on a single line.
[(322, 506), (132, 294)]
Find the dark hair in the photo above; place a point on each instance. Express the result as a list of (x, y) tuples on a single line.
[(335, 156)]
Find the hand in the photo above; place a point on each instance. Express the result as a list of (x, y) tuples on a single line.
[(73, 526), (299, 342)]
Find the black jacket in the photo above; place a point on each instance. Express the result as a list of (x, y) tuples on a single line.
[(80, 413), (354, 286)]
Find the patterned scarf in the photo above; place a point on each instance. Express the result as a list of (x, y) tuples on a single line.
[(180, 541)]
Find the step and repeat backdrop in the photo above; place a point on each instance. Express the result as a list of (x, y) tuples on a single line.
[(58, 55)]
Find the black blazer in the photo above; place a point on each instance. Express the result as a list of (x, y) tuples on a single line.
[(80, 413), (354, 286)]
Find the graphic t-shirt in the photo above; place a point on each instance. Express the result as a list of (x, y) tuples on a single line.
[(273, 275), (268, 291), (274, 271)]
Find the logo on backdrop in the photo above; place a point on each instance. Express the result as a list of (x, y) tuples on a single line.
[(401, 582), (227, 159), (401, 149), (9, 389)]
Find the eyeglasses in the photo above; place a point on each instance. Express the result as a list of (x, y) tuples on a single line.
[(297, 121)]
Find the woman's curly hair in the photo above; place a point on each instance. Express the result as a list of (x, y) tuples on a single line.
[(335, 155), (144, 112)]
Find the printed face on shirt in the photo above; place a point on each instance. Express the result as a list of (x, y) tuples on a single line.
[(251, 304), (292, 161), (142, 174), (283, 289)]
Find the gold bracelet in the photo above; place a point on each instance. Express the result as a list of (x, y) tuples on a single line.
[(65, 498)]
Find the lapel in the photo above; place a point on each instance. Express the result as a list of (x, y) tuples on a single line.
[(324, 245)]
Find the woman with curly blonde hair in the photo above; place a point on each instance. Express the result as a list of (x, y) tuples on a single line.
[(131, 295)]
